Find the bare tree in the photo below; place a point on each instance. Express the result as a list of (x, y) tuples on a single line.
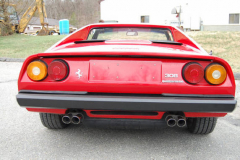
[(5, 26), (79, 12), (22, 5)]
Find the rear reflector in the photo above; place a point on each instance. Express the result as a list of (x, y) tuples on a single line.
[(193, 73), (215, 74), (58, 70)]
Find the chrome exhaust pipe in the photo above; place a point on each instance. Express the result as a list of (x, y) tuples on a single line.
[(66, 119), (76, 119), (171, 121), (181, 121)]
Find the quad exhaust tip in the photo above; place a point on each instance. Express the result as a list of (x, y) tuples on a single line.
[(173, 120), (76, 119), (66, 119), (181, 121)]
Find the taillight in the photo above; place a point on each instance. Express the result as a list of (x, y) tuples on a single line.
[(215, 74), (58, 70), (37, 70), (193, 73)]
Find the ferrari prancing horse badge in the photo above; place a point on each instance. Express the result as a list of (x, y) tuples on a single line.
[(79, 74)]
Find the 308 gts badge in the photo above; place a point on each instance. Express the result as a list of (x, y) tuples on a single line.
[(167, 75), (79, 73)]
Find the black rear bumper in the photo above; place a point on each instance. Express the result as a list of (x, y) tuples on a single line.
[(126, 103)]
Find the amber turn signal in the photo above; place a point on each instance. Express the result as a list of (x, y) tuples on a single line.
[(37, 70), (215, 74)]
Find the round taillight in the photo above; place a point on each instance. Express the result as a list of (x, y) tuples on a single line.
[(215, 74), (58, 70), (37, 70), (193, 73)]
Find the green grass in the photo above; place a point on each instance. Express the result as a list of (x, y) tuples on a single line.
[(225, 45), (21, 46)]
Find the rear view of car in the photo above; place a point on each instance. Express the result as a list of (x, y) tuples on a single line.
[(127, 76)]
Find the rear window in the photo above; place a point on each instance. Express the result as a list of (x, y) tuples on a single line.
[(158, 34)]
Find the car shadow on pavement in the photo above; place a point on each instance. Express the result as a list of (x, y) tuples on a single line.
[(99, 143), (99, 136)]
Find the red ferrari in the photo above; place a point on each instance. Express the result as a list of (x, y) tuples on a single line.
[(127, 76)]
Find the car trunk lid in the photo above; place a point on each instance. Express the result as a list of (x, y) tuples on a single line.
[(125, 71)]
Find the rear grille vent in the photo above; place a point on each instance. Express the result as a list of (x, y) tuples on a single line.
[(123, 113)]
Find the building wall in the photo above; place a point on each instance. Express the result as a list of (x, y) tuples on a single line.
[(130, 11), (221, 27), (213, 12)]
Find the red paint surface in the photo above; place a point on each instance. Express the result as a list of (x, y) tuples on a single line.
[(141, 86), (159, 116), (125, 71), (169, 59), (43, 110)]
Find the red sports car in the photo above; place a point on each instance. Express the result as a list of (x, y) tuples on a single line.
[(127, 76)]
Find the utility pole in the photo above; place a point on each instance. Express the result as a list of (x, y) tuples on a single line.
[(178, 10), (179, 16)]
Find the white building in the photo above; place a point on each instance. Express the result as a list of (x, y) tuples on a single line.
[(196, 14)]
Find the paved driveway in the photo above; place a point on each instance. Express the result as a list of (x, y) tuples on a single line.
[(22, 135)]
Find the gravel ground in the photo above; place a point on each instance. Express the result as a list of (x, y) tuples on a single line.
[(24, 137)]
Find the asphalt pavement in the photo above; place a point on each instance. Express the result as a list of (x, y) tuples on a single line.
[(22, 135)]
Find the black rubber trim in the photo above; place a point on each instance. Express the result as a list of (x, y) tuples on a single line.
[(166, 42), (199, 95), (97, 102), (52, 92), (126, 94), (123, 56), (153, 41), (90, 41)]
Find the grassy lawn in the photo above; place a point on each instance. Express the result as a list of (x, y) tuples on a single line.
[(21, 46), (223, 44)]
